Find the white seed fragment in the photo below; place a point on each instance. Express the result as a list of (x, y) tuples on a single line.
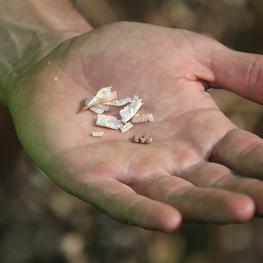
[(97, 134), (106, 98), (100, 108), (102, 96), (102, 92), (126, 127), (87, 101), (120, 103), (102, 102), (143, 118), (56, 79), (94, 102), (109, 122), (130, 110)]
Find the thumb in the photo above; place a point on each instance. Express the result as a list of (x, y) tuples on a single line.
[(239, 72)]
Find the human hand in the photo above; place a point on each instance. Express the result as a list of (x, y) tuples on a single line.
[(197, 167)]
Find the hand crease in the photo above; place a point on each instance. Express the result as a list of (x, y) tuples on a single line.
[(253, 75)]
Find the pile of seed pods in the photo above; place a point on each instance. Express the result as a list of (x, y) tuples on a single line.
[(101, 103)]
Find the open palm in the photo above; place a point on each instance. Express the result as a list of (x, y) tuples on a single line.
[(193, 170)]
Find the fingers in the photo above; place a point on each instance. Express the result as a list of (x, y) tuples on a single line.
[(218, 176), (241, 151), (122, 203), (239, 72), (198, 204)]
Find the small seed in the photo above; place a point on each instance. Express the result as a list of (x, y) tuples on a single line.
[(136, 138), (146, 136), (149, 140), (142, 140)]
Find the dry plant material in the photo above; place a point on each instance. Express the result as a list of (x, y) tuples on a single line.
[(131, 109), (119, 103), (97, 134), (105, 98), (100, 108), (109, 122), (126, 127), (103, 95), (138, 118)]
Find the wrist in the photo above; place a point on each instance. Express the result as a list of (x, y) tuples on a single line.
[(30, 31)]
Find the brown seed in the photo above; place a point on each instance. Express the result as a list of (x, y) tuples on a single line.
[(149, 140), (136, 138), (142, 140), (146, 136)]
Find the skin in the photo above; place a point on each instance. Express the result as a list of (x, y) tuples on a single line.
[(200, 167)]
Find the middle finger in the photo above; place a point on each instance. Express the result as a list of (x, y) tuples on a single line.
[(214, 175)]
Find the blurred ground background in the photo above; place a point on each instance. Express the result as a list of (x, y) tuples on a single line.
[(39, 223)]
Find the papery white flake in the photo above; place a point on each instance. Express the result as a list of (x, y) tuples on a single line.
[(100, 108), (102, 96), (130, 110), (87, 101), (119, 103), (101, 93), (142, 118), (97, 134), (109, 122), (126, 127), (102, 101)]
